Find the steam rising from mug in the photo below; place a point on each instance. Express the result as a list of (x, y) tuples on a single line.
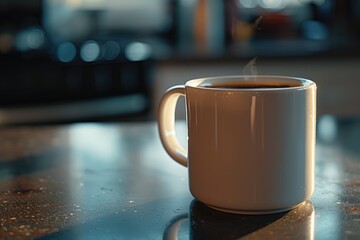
[(250, 68)]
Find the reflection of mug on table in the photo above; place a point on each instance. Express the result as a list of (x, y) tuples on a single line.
[(251, 141), (205, 223)]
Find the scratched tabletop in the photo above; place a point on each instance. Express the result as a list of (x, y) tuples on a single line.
[(115, 181)]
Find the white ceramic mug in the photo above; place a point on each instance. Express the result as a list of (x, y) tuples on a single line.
[(251, 141)]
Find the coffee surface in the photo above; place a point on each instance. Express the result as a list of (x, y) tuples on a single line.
[(242, 86)]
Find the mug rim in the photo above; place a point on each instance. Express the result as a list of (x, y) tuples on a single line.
[(205, 83)]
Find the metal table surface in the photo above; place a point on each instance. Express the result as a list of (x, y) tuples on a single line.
[(115, 181)]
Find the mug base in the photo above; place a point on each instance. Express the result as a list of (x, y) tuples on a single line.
[(253, 212)]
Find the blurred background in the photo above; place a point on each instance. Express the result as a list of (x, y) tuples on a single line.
[(96, 60)]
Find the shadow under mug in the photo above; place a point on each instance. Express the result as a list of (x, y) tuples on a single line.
[(206, 223), (251, 141)]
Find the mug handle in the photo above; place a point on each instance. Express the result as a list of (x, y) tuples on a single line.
[(166, 124)]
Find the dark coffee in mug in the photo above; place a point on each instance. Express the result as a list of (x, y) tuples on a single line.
[(252, 84)]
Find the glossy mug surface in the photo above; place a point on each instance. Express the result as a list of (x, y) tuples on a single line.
[(251, 141)]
